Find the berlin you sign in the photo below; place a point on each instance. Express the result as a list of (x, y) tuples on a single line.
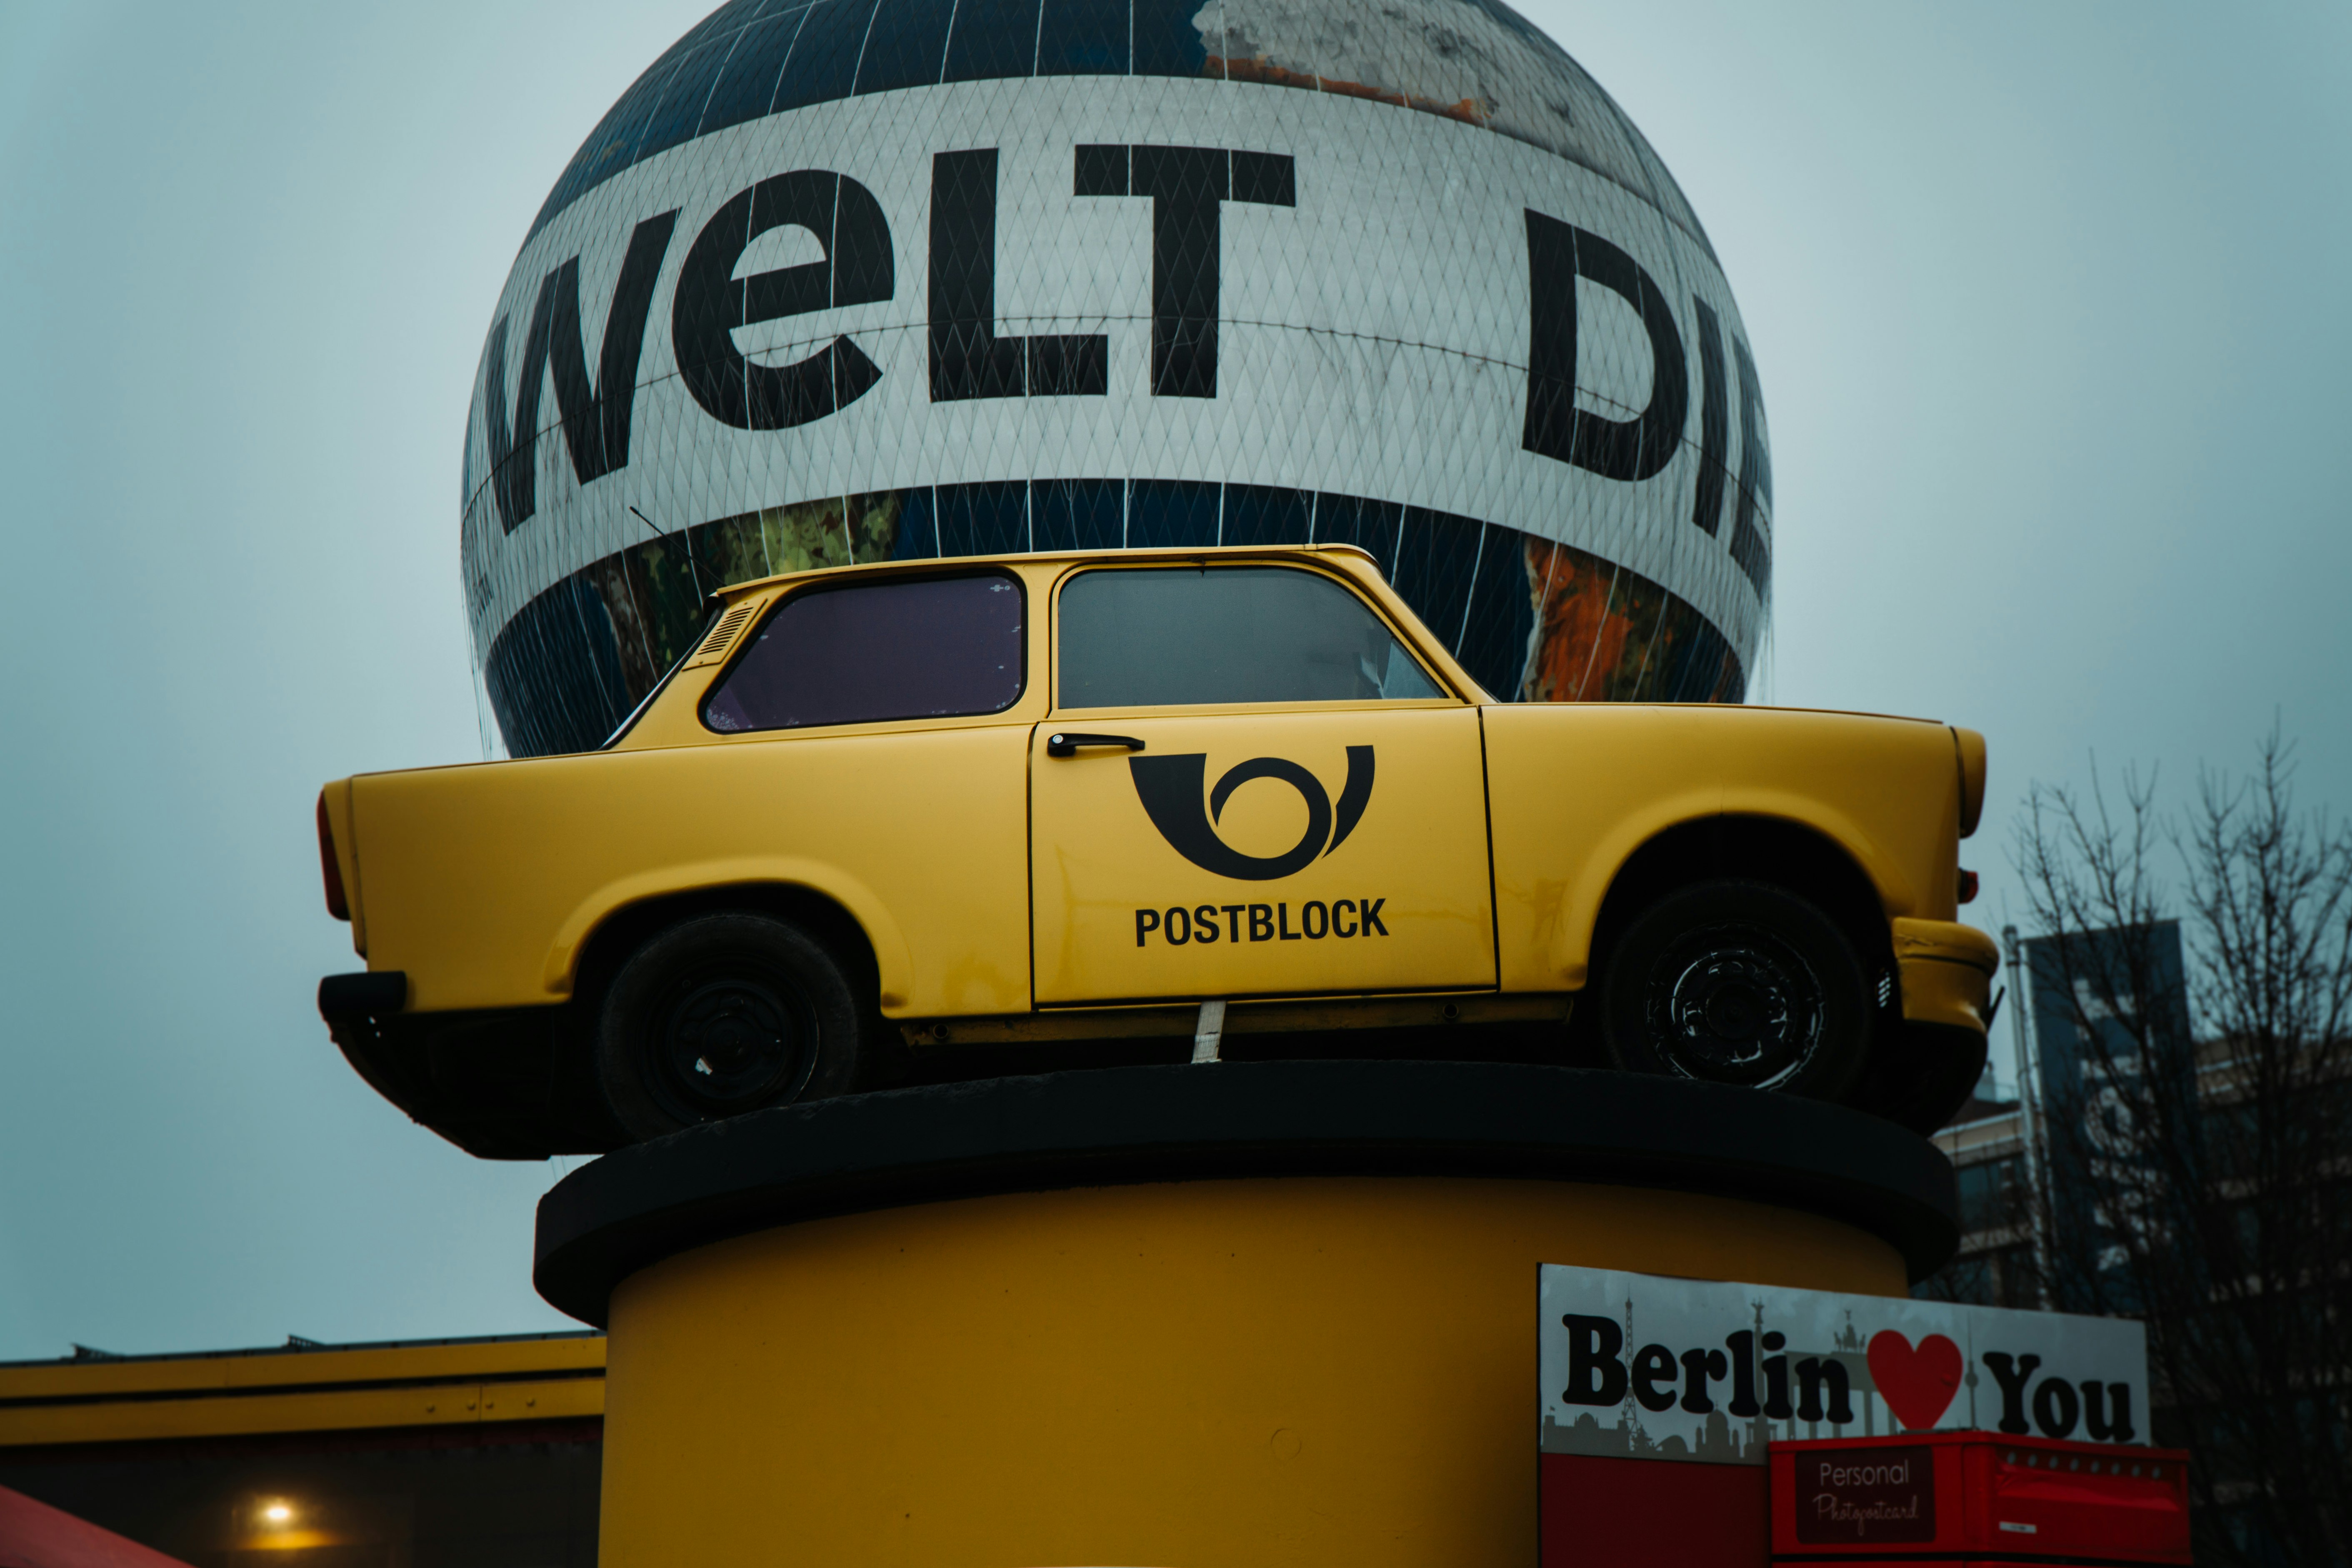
[(1643, 1366)]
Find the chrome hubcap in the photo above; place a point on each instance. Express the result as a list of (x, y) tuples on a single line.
[(1734, 1004)]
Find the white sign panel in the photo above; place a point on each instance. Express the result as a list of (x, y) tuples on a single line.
[(1369, 279), (1646, 1366)]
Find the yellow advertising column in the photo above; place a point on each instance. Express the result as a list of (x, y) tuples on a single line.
[(1233, 1314)]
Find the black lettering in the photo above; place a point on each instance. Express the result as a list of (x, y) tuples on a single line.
[(1146, 922), (1337, 930), (1372, 911), (1595, 1376), (711, 301), (1840, 1396), (1261, 922), (1282, 923), (1233, 921), (1204, 923), (596, 415), (2098, 1398), (1698, 1367), (1188, 187), (1714, 424), (1177, 926), (1775, 1378), (1742, 1346), (2012, 1381), (1776, 1388), (2054, 1407), (1315, 920), (1751, 535), (1812, 1372), (1636, 448), (968, 359), (1655, 1363), (514, 444)]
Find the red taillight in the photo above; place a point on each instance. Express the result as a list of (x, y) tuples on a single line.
[(337, 905), (1968, 885)]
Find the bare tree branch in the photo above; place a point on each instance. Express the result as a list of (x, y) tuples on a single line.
[(2200, 1144)]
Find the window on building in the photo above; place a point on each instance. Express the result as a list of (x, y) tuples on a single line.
[(1988, 1190), (2014, 1283), (1965, 1279), (1997, 1277), (519, 1493)]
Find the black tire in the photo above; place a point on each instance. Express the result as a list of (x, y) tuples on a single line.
[(1738, 983), (723, 1015)]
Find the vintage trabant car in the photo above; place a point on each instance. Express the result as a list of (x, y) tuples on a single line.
[(918, 821)]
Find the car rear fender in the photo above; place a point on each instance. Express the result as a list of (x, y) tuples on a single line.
[(343, 831), (1571, 944), (895, 968)]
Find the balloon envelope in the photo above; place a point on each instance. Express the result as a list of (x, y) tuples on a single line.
[(867, 279)]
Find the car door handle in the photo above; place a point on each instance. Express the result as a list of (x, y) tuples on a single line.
[(1067, 743)]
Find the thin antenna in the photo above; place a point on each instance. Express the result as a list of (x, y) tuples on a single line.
[(692, 570), (2030, 1098)]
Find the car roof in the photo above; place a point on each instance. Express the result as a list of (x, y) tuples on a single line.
[(735, 591)]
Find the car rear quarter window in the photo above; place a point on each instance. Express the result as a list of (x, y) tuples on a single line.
[(1141, 638), (927, 648)]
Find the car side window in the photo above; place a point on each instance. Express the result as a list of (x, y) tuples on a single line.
[(925, 648), (1149, 638)]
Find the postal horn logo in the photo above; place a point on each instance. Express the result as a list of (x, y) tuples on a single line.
[(1170, 790)]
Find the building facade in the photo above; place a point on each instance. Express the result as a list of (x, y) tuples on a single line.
[(420, 1454)]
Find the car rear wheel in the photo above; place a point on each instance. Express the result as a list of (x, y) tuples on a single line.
[(1738, 983), (723, 1015)]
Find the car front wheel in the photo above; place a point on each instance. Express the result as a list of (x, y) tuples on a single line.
[(721, 1015), (1738, 983)]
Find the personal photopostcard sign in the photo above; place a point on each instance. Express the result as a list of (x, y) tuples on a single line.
[(1644, 1366)]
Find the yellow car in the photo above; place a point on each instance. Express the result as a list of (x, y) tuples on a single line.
[(941, 819)]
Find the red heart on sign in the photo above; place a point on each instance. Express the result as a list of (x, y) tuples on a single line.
[(1918, 1385)]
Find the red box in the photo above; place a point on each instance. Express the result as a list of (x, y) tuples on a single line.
[(1859, 1500), (1598, 1511)]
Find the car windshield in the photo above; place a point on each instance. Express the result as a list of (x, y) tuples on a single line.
[(924, 648), (1150, 637)]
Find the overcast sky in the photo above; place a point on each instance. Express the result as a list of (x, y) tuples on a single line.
[(2049, 304)]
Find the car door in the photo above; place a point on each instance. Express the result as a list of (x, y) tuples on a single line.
[(1249, 787), (873, 732)]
